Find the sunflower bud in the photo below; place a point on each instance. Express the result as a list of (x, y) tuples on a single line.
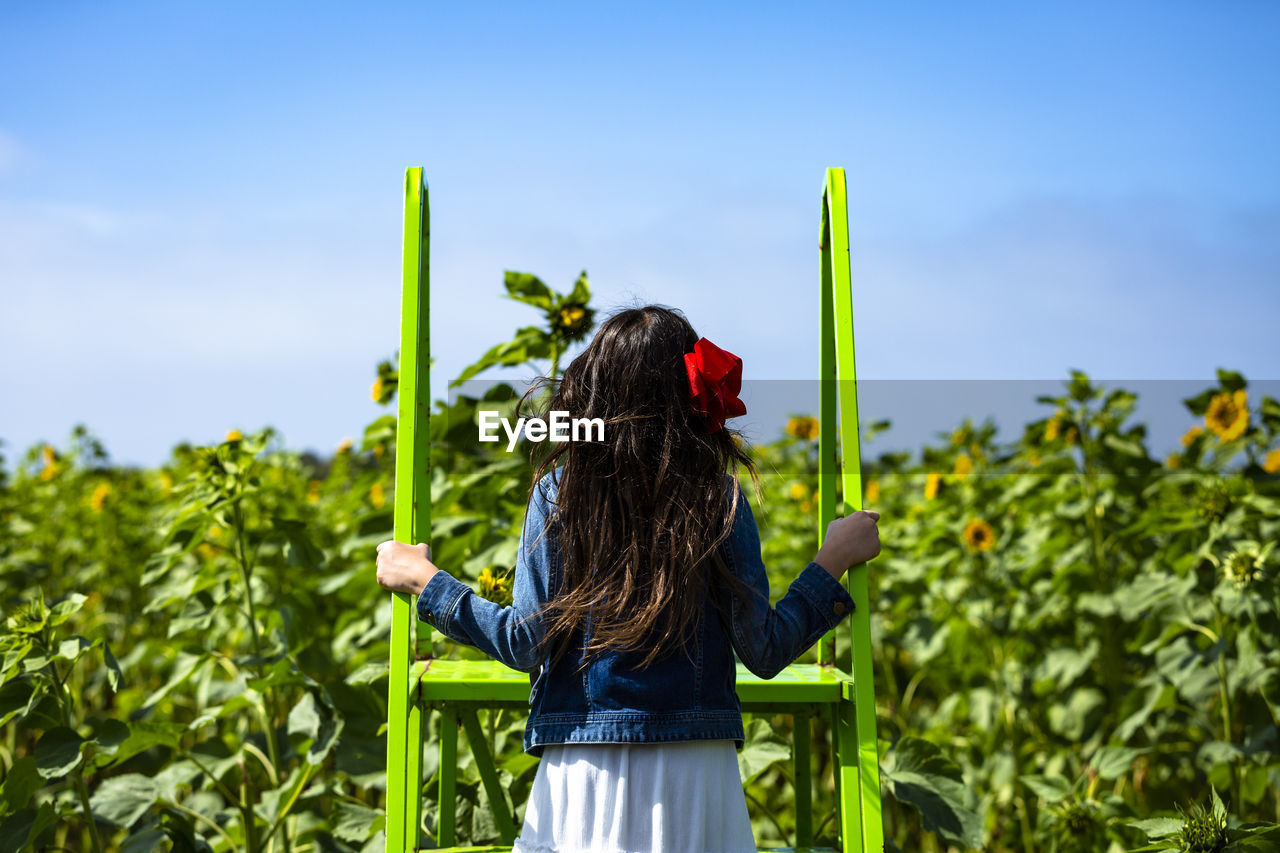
[(1212, 501), (1204, 830), (572, 321), (804, 428)]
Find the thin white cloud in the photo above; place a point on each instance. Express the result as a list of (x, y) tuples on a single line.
[(161, 327), (10, 152)]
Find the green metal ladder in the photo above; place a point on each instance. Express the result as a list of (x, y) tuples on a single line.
[(457, 688)]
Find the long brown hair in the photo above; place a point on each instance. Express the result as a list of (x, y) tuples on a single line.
[(641, 516)]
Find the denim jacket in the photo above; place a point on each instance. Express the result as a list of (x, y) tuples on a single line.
[(612, 701)]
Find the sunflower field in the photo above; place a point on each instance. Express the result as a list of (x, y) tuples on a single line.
[(1077, 646)]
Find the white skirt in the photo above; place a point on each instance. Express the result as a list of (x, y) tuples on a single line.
[(682, 797)]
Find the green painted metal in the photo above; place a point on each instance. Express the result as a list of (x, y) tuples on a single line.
[(488, 775), (859, 764), (473, 680), (803, 777), (448, 768), (459, 688), (411, 520), (506, 848)]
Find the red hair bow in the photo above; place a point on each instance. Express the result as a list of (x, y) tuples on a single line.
[(715, 378)]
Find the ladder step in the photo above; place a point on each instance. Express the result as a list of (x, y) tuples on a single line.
[(489, 680), (507, 849)]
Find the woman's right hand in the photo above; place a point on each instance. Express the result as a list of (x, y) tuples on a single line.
[(850, 540)]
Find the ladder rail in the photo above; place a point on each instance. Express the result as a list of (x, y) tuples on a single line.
[(840, 464), (411, 520)]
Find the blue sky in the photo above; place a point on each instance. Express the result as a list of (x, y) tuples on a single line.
[(200, 204)]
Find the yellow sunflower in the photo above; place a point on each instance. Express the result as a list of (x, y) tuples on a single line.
[(376, 496), (494, 588), (1051, 427), (799, 492), (313, 491), (99, 496), (572, 321), (376, 391), (234, 435), (1174, 460), (803, 427), (873, 491), (1228, 415), (345, 446), (1272, 463), (1191, 434), (931, 484), (964, 466), (978, 536), (50, 463)]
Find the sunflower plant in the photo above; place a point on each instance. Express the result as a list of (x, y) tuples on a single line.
[(569, 318)]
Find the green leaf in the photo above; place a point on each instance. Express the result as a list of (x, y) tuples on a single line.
[(355, 822), (304, 719), (73, 647), (1123, 445), (1255, 784), (17, 697), (529, 343), (184, 665), (1072, 718), (299, 549), (1271, 413), (1051, 789), (144, 735), (15, 656), (1112, 762), (528, 288), (113, 667), (22, 781), (58, 752), (215, 756), (581, 290), (109, 735), (63, 610), (198, 613), (124, 799), (369, 673), (1230, 380), (1157, 827), (762, 749), (1080, 389), (25, 826), (1199, 404), (317, 723), (144, 841), (918, 773)]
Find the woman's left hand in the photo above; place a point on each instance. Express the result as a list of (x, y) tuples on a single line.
[(404, 568)]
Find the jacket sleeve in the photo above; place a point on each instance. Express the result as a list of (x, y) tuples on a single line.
[(507, 634), (767, 639)]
